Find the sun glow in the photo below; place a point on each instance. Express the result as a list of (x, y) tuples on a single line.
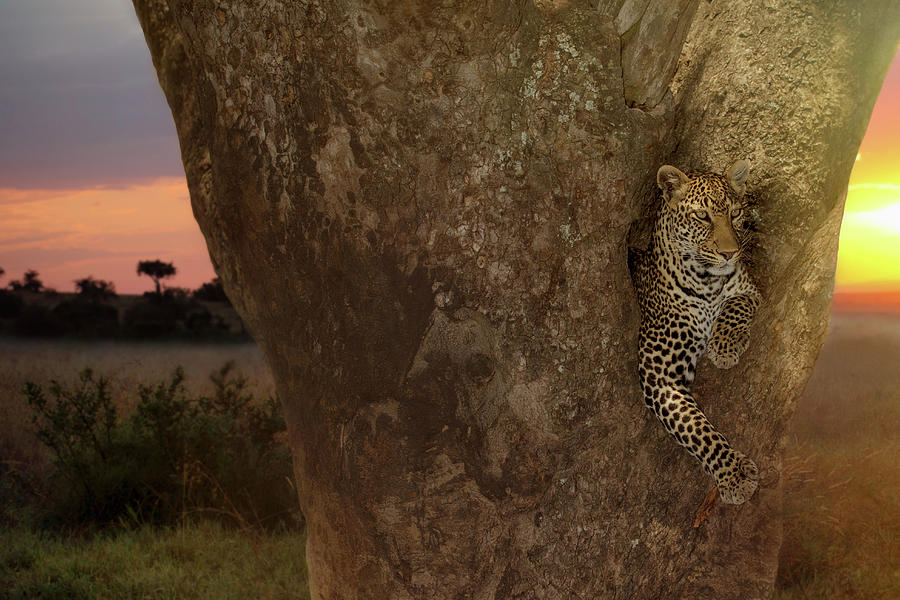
[(869, 255)]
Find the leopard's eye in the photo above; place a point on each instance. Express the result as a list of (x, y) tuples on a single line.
[(701, 214), (736, 211)]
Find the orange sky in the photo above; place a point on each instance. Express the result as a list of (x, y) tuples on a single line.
[(869, 254), (70, 233)]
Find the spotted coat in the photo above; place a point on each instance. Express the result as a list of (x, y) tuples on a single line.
[(696, 297)]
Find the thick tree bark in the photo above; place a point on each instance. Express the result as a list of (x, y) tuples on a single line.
[(421, 210)]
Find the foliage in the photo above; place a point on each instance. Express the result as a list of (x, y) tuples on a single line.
[(88, 318), (172, 311), (177, 456), (94, 312), (195, 561), (200, 323), (179, 297), (95, 289), (149, 319), (212, 291), (31, 283), (10, 305), (91, 455), (156, 270), (38, 321)]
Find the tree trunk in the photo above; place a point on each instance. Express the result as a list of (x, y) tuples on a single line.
[(421, 211)]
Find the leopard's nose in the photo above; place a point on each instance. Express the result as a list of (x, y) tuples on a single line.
[(728, 255)]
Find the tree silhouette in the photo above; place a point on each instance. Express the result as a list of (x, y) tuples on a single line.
[(156, 270), (31, 283), (211, 291), (95, 289)]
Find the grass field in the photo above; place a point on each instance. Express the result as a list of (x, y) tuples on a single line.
[(127, 364), (196, 561), (842, 497)]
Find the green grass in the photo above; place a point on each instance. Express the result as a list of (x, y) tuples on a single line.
[(196, 561)]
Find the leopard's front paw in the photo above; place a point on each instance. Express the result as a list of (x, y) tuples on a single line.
[(738, 482), (726, 344), (723, 358)]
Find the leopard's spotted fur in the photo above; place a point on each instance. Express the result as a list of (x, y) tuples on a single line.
[(695, 297)]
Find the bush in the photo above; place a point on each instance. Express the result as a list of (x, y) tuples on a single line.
[(167, 313), (88, 318), (97, 469), (29, 283), (10, 305), (201, 323), (178, 455), (38, 321), (150, 318), (95, 289), (212, 291), (180, 298)]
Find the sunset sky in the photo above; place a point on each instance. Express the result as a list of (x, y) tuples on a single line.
[(91, 179)]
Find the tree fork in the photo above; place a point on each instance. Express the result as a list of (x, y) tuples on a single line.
[(421, 211)]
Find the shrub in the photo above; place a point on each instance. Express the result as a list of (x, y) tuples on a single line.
[(212, 291), (10, 305), (38, 321), (150, 318), (95, 289), (29, 283), (97, 473), (180, 298), (167, 313), (178, 455), (88, 318)]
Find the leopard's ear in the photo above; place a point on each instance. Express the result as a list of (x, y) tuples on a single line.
[(673, 183), (737, 176)]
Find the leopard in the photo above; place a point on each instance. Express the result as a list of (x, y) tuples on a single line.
[(696, 298)]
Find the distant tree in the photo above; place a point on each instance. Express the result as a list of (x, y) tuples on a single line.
[(2, 272), (150, 319), (31, 283), (211, 291), (87, 317), (35, 320), (156, 270), (95, 289), (11, 305)]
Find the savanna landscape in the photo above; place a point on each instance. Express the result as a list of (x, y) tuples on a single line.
[(420, 209), (201, 538), (842, 493)]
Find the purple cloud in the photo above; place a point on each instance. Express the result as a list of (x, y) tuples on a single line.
[(79, 101)]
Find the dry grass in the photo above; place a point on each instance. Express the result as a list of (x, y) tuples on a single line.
[(842, 500), (126, 363)]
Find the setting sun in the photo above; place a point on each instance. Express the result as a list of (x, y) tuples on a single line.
[(869, 255), (870, 236)]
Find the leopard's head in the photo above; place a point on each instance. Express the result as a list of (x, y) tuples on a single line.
[(706, 213)]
